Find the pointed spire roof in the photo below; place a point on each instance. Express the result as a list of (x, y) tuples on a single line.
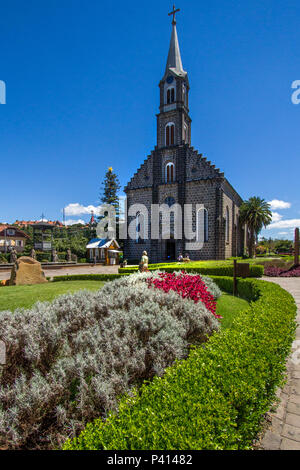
[(174, 63)]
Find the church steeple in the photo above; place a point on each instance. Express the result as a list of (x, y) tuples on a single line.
[(174, 62), (174, 123)]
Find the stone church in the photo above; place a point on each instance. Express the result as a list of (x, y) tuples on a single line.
[(175, 173)]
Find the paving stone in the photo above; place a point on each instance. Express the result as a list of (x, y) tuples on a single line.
[(295, 387), (277, 425), (271, 441), (292, 419), (291, 432), (289, 444), (293, 408), (284, 398), (279, 413), (286, 389), (294, 398)]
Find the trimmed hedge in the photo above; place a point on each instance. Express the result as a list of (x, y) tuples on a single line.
[(216, 398), (89, 277), (246, 290), (68, 361), (214, 270)]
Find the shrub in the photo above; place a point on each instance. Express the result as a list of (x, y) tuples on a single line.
[(43, 257), (276, 262), (69, 361), (217, 397), (213, 270), (188, 286), (89, 277), (274, 271), (4, 258)]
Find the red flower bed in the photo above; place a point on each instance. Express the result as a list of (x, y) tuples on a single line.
[(191, 287), (273, 271)]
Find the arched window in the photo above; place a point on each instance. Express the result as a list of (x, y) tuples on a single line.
[(202, 225), (140, 229), (170, 172), (185, 133), (170, 134), (227, 225), (170, 95)]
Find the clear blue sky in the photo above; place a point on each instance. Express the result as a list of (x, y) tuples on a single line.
[(82, 93)]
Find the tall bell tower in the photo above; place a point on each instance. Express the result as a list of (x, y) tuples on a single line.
[(173, 121)]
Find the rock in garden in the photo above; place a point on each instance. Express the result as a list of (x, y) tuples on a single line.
[(27, 271)]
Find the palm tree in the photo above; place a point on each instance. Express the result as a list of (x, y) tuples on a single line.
[(256, 213)]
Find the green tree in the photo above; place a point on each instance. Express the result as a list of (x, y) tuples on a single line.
[(111, 187), (284, 246), (109, 194), (256, 214)]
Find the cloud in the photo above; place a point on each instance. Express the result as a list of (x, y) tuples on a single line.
[(73, 222), (276, 217), (288, 223), (79, 209), (277, 204), (283, 233)]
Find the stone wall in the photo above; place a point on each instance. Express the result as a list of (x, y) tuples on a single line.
[(132, 249), (197, 181), (204, 192), (143, 178)]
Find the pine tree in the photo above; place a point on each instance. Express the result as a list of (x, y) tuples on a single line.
[(109, 194), (111, 187)]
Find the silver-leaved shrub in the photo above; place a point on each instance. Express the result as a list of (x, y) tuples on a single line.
[(69, 361)]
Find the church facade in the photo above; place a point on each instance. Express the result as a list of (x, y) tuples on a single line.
[(175, 173)]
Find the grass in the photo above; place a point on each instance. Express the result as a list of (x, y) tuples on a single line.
[(12, 297), (208, 263), (228, 306)]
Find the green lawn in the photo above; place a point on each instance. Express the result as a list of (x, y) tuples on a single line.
[(25, 296), (12, 297), (205, 264), (228, 306)]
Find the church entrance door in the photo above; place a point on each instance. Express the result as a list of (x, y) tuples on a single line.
[(170, 250)]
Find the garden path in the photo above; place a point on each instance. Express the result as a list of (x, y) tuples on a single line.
[(284, 430), (76, 269)]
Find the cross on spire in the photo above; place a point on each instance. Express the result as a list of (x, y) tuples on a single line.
[(173, 12)]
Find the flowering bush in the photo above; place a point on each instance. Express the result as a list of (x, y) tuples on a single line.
[(69, 361), (216, 399), (187, 286), (274, 271)]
